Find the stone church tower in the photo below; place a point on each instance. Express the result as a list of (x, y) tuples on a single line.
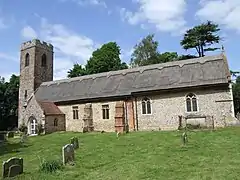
[(36, 66)]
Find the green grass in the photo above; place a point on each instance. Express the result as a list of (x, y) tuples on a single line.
[(139, 155)]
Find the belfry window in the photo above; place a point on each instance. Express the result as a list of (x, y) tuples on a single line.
[(27, 57), (191, 103), (44, 60), (146, 106)]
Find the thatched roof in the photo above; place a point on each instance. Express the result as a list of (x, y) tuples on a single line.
[(209, 70)]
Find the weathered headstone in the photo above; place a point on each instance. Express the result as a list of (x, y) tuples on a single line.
[(68, 154), (74, 142), (184, 138), (12, 167)]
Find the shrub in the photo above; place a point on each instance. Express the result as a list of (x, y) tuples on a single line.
[(50, 166), (10, 134), (40, 129), (23, 128)]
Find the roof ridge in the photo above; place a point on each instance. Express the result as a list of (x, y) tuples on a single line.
[(140, 69)]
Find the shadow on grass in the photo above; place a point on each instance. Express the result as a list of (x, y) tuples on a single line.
[(8, 147)]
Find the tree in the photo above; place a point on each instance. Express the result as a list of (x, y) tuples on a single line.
[(104, 59), (234, 73), (9, 102), (76, 71), (145, 52), (236, 94), (188, 56), (201, 37)]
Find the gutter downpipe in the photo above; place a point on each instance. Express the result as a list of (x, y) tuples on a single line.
[(136, 113)]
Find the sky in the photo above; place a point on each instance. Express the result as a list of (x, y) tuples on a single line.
[(78, 27)]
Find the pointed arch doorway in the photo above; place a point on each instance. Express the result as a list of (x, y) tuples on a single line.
[(32, 126)]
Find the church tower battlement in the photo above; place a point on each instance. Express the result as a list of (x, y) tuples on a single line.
[(36, 67), (38, 43)]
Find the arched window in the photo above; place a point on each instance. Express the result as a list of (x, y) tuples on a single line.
[(55, 123), (27, 57), (33, 125), (191, 103), (44, 60), (146, 106)]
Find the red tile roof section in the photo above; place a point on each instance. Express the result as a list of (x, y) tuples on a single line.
[(50, 108)]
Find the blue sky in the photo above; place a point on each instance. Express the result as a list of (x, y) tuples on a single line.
[(77, 27)]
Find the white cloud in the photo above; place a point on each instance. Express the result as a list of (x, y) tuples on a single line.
[(223, 12), (69, 46), (165, 15), (28, 32), (88, 2)]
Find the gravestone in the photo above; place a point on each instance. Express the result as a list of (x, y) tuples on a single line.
[(184, 138), (12, 167), (74, 142), (68, 154)]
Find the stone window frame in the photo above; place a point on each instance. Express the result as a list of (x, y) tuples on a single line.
[(105, 111), (191, 96), (27, 59), (146, 101), (75, 112), (55, 122), (44, 60)]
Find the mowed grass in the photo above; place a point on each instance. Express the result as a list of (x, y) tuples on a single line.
[(137, 155)]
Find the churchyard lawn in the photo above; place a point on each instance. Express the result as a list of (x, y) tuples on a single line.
[(139, 155)]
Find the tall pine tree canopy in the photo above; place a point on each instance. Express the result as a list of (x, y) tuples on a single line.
[(201, 37), (104, 59)]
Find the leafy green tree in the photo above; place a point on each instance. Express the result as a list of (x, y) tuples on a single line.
[(234, 73), (188, 56), (145, 52), (236, 94), (76, 71), (9, 102), (167, 57), (104, 59), (201, 37)]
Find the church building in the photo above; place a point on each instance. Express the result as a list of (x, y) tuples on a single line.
[(155, 97)]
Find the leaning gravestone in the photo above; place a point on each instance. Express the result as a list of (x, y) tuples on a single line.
[(12, 167), (74, 142), (68, 154)]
